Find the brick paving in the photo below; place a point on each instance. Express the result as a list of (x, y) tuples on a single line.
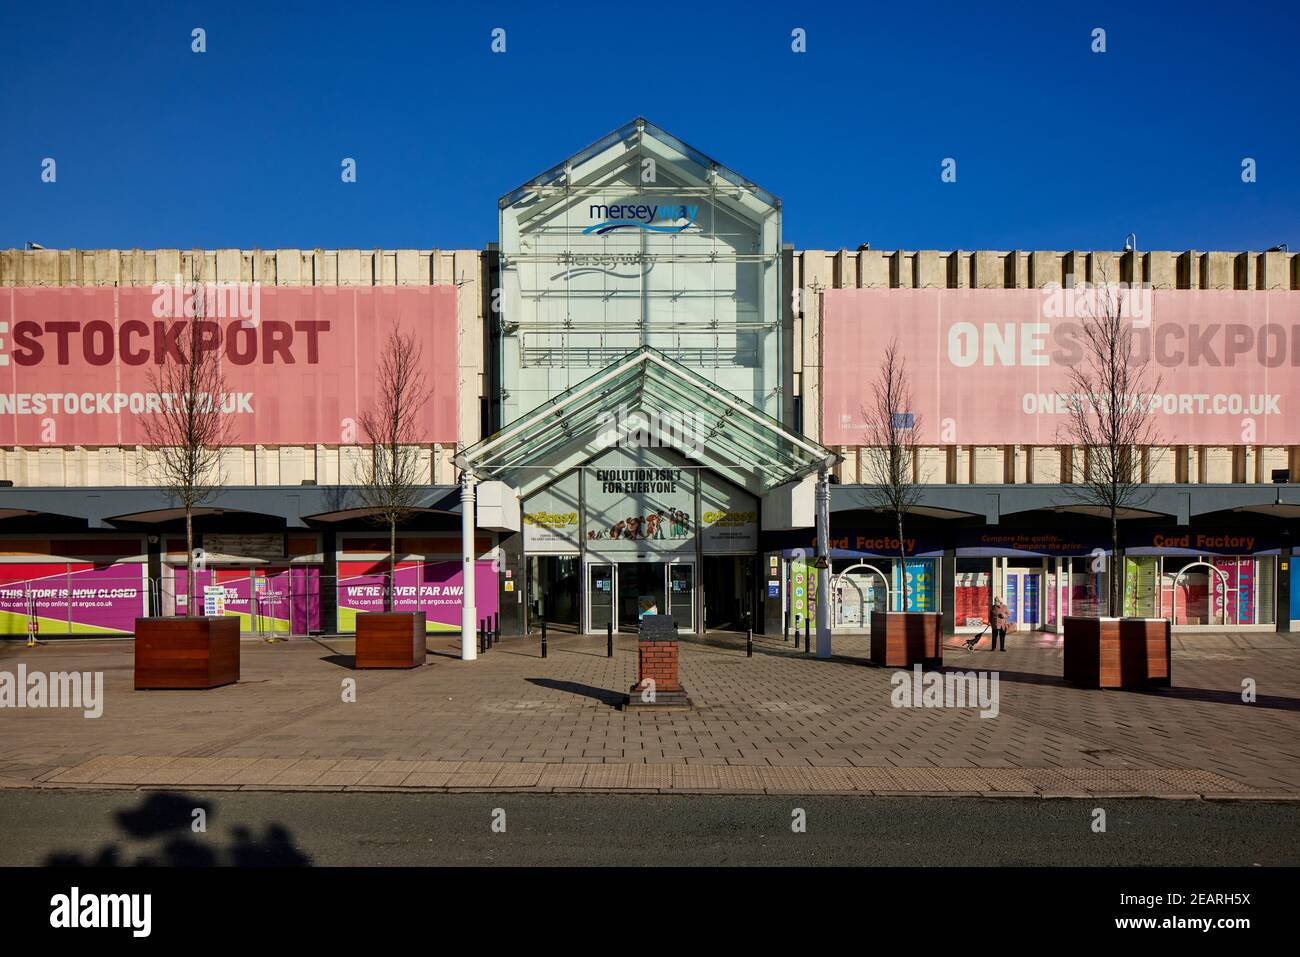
[(779, 722)]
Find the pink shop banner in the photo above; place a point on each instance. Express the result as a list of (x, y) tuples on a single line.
[(991, 366), (75, 598), (299, 361), (435, 588)]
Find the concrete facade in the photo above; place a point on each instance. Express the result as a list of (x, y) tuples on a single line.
[(809, 272)]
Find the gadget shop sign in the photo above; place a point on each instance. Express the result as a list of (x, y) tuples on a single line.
[(77, 362)]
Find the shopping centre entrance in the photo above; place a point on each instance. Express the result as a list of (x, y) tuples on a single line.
[(622, 593), (729, 583), (621, 517)]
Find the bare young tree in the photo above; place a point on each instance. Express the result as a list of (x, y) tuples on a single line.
[(392, 478), (192, 427), (889, 456), (1108, 415)]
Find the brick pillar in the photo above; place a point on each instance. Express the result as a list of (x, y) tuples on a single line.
[(656, 652), (657, 660)]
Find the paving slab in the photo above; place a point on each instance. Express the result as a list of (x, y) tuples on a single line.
[(779, 722)]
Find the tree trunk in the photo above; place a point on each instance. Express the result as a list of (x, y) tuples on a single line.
[(189, 561), (392, 565), (1116, 571), (902, 572)]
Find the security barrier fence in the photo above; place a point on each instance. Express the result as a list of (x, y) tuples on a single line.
[(272, 602)]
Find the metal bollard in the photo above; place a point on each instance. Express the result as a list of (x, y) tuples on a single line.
[(807, 631), (749, 643), (609, 639), (543, 639), (496, 627), (482, 636), (785, 627)]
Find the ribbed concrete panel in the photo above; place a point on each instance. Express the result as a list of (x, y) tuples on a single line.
[(812, 272)]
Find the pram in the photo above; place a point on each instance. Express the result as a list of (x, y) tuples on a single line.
[(972, 642)]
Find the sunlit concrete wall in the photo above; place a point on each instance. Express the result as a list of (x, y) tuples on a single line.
[(255, 464), (810, 272), (814, 271)]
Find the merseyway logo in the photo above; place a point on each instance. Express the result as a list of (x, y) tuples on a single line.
[(655, 217)]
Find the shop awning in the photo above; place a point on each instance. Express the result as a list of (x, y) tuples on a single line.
[(685, 411)]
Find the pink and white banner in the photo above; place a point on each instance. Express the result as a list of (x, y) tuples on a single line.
[(72, 598), (299, 361), (433, 587), (991, 366)]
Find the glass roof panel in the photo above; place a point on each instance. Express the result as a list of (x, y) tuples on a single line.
[(722, 432)]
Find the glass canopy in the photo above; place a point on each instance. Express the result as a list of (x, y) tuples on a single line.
[(645, 398)]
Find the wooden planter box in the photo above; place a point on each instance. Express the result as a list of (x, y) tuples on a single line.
[(390, 639), (900, 639), (1118, 652), (186, 652)]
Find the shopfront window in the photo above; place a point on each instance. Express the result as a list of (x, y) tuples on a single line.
[(917, 590), (1141, 591), (972, 592), (1221, 590), (1089, 586), (861, 588)]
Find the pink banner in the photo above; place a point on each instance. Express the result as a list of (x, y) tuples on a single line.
[(72, 598), (991, 366), (435, 588), (299, 361)]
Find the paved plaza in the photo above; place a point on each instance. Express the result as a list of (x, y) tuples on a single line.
[(779, 722)]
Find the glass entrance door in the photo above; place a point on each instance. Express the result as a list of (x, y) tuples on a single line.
[(681, 595), (640, 591), (600, 596), (1024, 598)]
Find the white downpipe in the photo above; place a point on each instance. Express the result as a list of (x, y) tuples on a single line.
[(468, 615)]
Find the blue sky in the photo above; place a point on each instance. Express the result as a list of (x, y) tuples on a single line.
[(1056, 147)]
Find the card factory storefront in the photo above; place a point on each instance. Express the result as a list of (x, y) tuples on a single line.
[(1209, 577)]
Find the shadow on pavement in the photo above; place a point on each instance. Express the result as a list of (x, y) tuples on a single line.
[(1210, 695), (1272, 702), (603, 695), (169, 817)]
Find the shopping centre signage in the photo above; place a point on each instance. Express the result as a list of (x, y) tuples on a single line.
[(991, 366), (662, 217), (78, 363)]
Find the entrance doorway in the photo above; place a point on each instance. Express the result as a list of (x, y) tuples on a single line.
[(553, 591), (859, 590), (728, 592), (641, 591), (619, 594), (1024, 595)]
